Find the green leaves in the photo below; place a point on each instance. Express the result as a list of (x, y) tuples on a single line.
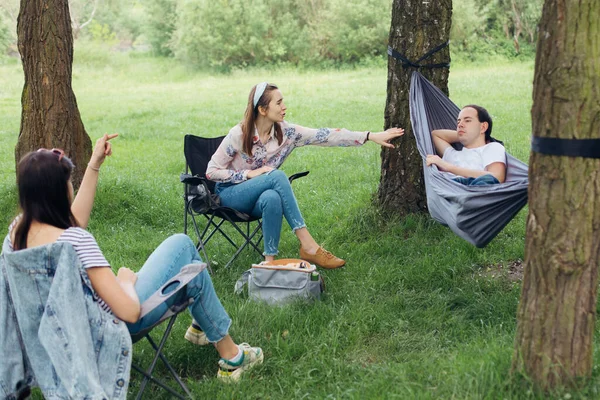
[(235, 33)]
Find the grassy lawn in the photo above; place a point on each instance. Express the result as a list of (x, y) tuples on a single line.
[(415, 314)]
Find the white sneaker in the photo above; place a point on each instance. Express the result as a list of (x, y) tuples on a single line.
[(231, 372), (195, 335)]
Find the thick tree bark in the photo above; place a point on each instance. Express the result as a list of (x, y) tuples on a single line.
[(50, 117), (557, 311), (417, 27)]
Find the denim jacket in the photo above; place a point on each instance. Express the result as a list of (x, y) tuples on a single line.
[(52, 332)]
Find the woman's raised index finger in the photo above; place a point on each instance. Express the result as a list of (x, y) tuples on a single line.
[(111, 136)]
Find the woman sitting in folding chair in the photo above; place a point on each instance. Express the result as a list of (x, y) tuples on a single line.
[(49, 214), (245, 167)]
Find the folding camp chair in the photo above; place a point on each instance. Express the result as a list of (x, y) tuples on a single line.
[(172, 288), (200, 200), (46, 339), (49, 275)]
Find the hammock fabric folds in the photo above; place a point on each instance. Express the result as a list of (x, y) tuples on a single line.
[(475, 213)]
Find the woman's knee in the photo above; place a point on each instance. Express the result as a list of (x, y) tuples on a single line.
[(270, 202), (180, 242), (279, 176)]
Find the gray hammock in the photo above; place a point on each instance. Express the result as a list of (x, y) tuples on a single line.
[(475, 213)]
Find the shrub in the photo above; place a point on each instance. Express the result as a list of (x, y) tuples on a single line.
[(484, 30), (238, 33), (5, 36), (159, 25), (468, 23), (227, 33), (355, 30), (101, 32)]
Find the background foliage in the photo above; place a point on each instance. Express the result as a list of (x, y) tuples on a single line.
[(266, 32), (5, 36), (481, 28), (233, 34)]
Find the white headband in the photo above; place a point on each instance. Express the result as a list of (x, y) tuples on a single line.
[(260, 90)]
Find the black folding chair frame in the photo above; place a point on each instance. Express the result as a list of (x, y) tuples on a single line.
[(148, 373), (215, 219), (216, 216), (180, 304)]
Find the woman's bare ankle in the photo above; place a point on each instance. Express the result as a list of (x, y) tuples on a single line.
[(310, 249), (226, 347), (307, 243)]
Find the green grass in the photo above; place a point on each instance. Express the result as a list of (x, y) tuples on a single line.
[(411, 316)]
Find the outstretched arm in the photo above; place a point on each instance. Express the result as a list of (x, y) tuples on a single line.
[(342, 137), (383, 138), (84, 200), (443, 138)]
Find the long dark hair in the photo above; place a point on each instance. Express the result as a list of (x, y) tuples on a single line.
[(43, 184), (251, 114), (484, 116)]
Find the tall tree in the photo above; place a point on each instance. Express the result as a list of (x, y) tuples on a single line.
[(417, 27), (557, 311), (50, 117)]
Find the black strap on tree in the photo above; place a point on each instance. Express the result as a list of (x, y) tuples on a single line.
[(408, 63), (586, 148)]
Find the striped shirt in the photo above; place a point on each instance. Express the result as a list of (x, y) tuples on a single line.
[(85, 246)]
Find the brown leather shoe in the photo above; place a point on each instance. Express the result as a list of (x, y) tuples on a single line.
[(322, 258)]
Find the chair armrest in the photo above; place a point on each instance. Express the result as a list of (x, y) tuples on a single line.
[(298, 175), (190, 179), (196, 180), (184, 276), (194, 186)]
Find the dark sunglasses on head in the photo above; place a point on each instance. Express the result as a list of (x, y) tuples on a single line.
[(59, 152)]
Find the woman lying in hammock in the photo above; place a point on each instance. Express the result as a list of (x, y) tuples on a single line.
[(481, 161)]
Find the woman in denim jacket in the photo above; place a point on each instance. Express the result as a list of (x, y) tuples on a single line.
[(50, 213)]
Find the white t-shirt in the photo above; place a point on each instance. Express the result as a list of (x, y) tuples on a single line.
[(478, 158)]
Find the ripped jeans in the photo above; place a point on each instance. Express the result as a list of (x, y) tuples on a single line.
[(269, 196)]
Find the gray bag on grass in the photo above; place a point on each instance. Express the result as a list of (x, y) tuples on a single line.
[(281, 282)]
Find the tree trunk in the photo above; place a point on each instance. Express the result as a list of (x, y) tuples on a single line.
[(518, 26), (417, 27), (50, 117), (556, 315)]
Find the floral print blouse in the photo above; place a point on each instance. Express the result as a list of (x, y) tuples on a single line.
[(231, 164)]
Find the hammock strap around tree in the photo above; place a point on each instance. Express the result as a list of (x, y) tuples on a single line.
[(586, 148), (415, 64)]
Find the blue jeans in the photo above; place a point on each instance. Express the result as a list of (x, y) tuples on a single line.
[(269, 196), (487, 179), (164, 263)]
